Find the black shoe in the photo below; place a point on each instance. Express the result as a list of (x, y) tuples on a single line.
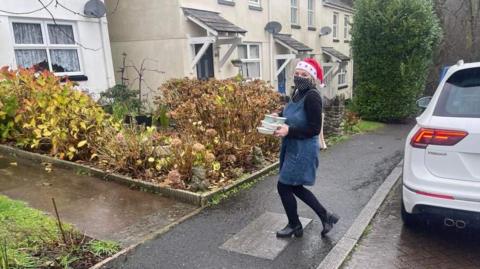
[(328, 224), (289, 231)]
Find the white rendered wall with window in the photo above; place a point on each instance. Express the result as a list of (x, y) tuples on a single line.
[(72, 45), (346, 27), (44, 45), (335, 28), (342, 77), (250, 55), (294, 12), (311, 13), (256, 3)]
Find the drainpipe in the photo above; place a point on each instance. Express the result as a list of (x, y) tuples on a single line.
[(272, 61), (107, 54)]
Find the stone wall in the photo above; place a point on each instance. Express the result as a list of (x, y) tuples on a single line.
[(334, 110)]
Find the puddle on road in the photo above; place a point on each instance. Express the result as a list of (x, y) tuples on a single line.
[(104, 210)]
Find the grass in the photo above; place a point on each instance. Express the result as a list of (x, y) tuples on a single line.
[(31, 239), (361, 127), (369, 126), (333, 140), (103, 248)]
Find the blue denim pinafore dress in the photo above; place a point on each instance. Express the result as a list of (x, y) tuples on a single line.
[(298, 157)]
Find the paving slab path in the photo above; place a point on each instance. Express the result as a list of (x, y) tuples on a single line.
[(349, 174), (390, 245), (103, 210)]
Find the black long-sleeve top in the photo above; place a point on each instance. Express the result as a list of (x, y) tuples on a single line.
[(313, 109)]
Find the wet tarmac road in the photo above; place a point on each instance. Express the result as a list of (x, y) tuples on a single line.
[(103, 210), (389, 244), (349, 174)]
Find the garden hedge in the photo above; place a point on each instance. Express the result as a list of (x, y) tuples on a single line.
[(393, 42)]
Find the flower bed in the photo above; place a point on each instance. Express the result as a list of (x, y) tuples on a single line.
[(214, 140)]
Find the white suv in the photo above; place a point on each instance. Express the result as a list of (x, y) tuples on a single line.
[(441, 174)]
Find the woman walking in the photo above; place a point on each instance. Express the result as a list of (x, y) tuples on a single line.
[(300, 149)]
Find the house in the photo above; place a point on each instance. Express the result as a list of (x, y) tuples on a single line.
[(222, 38), (58, 36)]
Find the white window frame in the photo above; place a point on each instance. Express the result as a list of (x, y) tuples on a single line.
[(253, 60), (294, 9), (255, 3), (336, 15), (46, 43), (343, 77), (311, 13), (346, 27)]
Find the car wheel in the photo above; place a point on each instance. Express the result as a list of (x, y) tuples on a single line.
[(409, 220)]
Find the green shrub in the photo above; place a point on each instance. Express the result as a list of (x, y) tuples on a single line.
[(39, 113), (8, 111), (120, 101), (393, 43)]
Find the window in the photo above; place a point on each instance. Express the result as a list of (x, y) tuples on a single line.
[(250, 56), (311, 12), (346, 28), (460, 96), (335, 25), (254, 3), (342, 77), (46, 46), (294, 11)]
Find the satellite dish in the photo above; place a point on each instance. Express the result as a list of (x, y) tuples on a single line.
[(325, 30), (273, 27), (95, 8)]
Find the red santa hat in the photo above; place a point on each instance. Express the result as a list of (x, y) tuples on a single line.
[(312, 67)]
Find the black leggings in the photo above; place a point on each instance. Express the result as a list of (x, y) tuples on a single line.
[(289, 202)]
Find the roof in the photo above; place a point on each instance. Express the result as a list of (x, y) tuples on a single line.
[(335, 53), (213, 20), (345, 4), (292, 43)]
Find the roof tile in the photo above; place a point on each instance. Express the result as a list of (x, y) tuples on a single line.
[(291, 42), (213, 20), (335, 53)]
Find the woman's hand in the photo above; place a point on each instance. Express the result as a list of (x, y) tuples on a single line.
[(281, 131)]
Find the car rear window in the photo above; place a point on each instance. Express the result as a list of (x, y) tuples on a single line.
[(460, 96)]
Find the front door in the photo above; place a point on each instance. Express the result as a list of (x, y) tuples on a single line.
[(282, 79), (205, 65)]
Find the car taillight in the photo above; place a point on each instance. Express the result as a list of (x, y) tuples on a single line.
[(425, 137)]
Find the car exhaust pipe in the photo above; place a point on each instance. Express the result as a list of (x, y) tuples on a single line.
[(449, 222), (460, 224)]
